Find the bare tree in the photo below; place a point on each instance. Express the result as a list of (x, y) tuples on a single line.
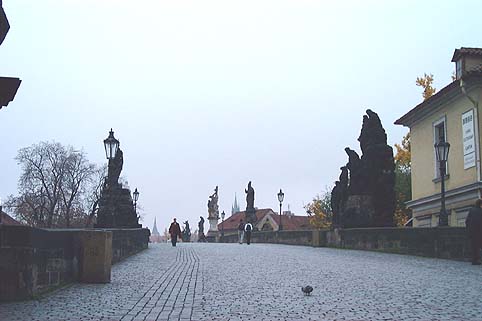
[(53, 183), (91, 201), (77, 174)]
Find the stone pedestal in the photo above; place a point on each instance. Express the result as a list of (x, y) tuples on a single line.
[(251, 216), (116, 209), (358, 212), (213, 233), (95, 256)]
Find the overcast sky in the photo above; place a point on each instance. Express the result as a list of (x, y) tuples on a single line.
[(206, 93)]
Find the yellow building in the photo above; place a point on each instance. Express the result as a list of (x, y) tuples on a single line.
[(451, 115)]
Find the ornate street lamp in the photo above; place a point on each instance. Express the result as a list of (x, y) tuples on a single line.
[(136, 197), (111, 145), (442, 155), (222, 225), (281, 196)]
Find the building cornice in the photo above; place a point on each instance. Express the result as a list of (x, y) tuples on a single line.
[(439, 100), (452, 196)]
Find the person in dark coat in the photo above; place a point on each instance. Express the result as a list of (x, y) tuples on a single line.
[(473, 223), (175, 231)]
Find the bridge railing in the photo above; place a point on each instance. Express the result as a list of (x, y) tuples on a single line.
[(439, 242)]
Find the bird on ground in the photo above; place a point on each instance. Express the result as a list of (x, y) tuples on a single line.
[(307, 290)]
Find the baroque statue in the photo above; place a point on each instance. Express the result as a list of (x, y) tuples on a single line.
[(249, 197), (115, 168), (186, 232), (364, 195), (213, 208), (250, 210)]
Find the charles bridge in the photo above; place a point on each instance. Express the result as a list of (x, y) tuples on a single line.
[(202, 281)]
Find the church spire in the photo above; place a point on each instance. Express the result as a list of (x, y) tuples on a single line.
[(154, 229), (235, 207)]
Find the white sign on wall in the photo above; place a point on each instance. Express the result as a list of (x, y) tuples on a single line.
[(468, 138)]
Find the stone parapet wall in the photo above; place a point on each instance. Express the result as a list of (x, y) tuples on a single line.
[(439, 242), (126, 242), (281, 237), (33, 261)]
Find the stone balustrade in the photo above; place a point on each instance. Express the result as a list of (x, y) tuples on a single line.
[(33, 261), (439, 242)]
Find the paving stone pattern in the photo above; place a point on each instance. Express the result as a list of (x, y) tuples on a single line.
[(263, 282)]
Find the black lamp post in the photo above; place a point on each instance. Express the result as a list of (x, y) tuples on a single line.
[(281, 196), (136, 197), (442, 154), (222, 224), (111, 145)]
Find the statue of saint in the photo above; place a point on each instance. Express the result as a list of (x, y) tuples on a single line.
[(249, 197), (201, 225), (115, 168), (213, 208), (186, 233)]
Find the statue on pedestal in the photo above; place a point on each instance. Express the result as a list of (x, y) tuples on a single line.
[(367, 197), (249, 197), (250, 210), (116, 207), (213, 208), (213, 215), (201, 236), (186, 233)]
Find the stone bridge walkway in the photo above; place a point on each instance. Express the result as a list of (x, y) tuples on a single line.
[(263, 282)]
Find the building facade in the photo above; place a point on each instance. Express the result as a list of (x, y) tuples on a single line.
[(267, 220), (451, 115)]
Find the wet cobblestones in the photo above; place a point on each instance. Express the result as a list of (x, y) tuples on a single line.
[(263, 282)]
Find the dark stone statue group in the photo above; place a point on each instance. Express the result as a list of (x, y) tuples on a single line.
[(364, 195)]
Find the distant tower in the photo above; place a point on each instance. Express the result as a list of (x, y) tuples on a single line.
[(155, 236), (235, 207)]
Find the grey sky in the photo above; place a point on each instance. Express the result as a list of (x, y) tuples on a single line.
[(206, 93)]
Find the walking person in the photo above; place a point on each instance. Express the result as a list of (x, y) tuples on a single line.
[(241, 231), (175, 231), (473, 222), (247, 230)]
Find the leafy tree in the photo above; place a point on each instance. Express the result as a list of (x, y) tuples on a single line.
[(403, 181), (426, 83), (319, 210)]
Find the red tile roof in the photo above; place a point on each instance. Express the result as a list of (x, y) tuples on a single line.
[(232, 222), (290, 222), (293, 222), (6, 219)]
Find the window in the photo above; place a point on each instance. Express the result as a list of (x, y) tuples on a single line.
[(458, 69), (440, 134), (424, 221)]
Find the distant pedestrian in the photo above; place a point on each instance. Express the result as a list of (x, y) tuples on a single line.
[(175, 231), (247, 230), (474, 229), (241, 231)]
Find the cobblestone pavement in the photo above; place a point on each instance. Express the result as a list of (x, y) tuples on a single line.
[(263, 282)]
